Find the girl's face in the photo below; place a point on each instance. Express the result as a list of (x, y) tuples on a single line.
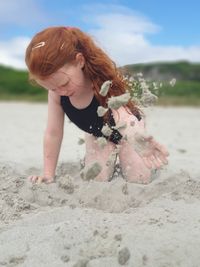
[(68, 80)]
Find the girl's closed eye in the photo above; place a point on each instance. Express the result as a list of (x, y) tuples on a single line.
[(64, 85)]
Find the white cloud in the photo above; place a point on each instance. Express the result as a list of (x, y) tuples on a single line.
[(118, 22), (12, 52), (17, 14), (21, 12), (124, 36)]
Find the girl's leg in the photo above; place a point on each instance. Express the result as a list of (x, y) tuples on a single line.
[(94, 153), (132, 164)]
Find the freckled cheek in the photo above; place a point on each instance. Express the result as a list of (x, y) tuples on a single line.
[(64, 92), (73, 87)]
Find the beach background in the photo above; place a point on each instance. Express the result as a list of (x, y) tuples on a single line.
[(85, 223)]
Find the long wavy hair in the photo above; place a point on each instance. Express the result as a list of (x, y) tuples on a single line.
[(59, 45)]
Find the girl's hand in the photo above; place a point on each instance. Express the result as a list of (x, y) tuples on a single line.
[(39, 179), (154, 154)]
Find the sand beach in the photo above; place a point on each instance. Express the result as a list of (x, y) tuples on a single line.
[(90, 224)]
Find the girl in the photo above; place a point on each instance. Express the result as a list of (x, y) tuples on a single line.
[(67, 62)]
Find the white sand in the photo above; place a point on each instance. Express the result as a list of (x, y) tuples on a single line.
[(86, 223)]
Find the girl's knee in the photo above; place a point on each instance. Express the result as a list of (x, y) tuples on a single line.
[(102, 177), (106, 174), (106, 168), (133, 166), (143, 177)]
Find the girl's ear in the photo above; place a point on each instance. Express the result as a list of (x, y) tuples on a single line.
[(80, 60)]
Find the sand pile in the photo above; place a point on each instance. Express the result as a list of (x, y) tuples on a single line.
[(85, 223)]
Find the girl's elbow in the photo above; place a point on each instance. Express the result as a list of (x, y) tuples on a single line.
[(54, 133)]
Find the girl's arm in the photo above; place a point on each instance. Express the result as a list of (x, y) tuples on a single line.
[(52, 138)]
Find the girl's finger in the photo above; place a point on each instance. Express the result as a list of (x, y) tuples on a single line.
[(163, 159), (149, 138), (49, 181), (151, 160), (34, 179), (39, 179), (162, 149), (147, 162), (158, 163), (30, 177)]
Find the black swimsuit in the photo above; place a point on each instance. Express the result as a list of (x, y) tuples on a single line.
[(88, 120)]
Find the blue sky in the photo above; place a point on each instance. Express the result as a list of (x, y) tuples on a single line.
[(129, 31)]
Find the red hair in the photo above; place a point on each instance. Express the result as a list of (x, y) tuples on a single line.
[(59, 45)]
